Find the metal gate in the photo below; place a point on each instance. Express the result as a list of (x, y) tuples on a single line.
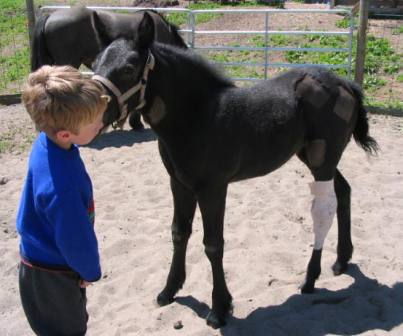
[(267, 32)]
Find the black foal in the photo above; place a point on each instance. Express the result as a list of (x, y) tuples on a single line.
[(212, 133)]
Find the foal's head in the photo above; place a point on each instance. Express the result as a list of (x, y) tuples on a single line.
[(122, 63)]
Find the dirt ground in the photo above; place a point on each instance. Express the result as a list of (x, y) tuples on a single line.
[(268, 233)]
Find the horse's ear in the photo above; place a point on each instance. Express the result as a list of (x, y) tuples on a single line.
[(101, 30), (145, 31)]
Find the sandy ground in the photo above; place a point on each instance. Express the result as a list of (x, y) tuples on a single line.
[(268, 235)]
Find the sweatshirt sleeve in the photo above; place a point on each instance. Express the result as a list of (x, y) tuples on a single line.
[(75, 235)]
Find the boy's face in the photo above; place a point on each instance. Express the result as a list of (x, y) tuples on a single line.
[(86, 133)]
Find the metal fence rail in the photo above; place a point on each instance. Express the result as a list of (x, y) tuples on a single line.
[(251, 52), (191, 34), (267, 33)]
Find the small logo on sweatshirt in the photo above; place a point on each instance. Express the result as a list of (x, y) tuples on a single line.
[(91, 211)]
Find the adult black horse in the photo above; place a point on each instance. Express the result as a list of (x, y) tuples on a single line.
[(211, 133), (76, 35)]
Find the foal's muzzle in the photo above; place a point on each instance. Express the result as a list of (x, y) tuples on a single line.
[(123, 97)]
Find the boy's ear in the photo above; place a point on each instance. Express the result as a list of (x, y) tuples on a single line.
[(63, 136), (145, 31)]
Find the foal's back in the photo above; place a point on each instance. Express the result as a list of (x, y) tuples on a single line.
[(265, 125)]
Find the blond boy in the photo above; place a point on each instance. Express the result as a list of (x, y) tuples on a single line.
[(58, 245)]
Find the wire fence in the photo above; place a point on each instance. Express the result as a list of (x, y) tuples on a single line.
[(273, 41), (385, 67), (254, 44), (383, 81)]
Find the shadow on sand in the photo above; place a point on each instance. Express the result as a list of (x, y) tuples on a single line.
[(121, 138), (365, 305)]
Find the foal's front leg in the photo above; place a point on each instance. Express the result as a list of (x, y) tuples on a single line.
[(212, 207), (184, 210)]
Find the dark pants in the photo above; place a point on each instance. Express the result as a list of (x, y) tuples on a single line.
[(53, 301)]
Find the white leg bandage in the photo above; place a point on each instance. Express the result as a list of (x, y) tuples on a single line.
[(324, 207)]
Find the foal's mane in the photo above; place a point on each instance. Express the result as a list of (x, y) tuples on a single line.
[(188, 63)]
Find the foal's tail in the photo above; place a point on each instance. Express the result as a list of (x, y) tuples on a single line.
[(39, 52), (361, 131)]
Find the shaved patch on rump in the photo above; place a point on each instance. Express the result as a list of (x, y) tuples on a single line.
[(312, 91), (345, 104)]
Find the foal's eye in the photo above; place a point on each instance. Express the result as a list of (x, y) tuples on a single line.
[(128, 69)]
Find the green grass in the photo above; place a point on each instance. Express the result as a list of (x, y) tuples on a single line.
[(254, 3), (5, 146), (389, 104), (16, 139), (380, 57), (16, 67), (237, 56), (182, 18), (321, 57), (398, 30), (14, 45), (345, 22)]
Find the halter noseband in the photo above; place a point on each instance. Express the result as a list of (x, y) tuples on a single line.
[(122, 98)]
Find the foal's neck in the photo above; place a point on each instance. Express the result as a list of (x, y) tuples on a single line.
[(187, 71)]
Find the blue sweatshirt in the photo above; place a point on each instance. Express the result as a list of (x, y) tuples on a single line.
[(56, 214)]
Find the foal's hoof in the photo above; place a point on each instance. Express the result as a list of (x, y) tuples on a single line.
[(217, 319), (163, 299), (213, 321), (137, 127), (135, 122), (339, 267)]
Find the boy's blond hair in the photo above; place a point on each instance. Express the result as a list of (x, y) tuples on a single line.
[(60, 98)]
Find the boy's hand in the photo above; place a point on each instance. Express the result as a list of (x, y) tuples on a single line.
[(84, 284)]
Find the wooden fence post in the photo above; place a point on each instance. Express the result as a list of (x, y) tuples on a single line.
[(361, 42), (31, 18)]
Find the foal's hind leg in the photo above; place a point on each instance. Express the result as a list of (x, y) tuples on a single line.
[(344, 246), (184, 210), (323, 209), (324, 206)]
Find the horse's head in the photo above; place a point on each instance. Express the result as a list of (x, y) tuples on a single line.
[(123, 69)]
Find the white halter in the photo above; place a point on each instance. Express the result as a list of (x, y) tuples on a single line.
[(122, 98)]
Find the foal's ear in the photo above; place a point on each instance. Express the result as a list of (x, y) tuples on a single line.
[(145, 31)]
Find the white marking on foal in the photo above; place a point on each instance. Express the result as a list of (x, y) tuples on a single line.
[(324, 207), (345, 105)]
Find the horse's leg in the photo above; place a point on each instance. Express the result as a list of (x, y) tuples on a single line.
[(184, 209), (135, 121), (324, 207), (344, 245), (322, 223), (212, 207)]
